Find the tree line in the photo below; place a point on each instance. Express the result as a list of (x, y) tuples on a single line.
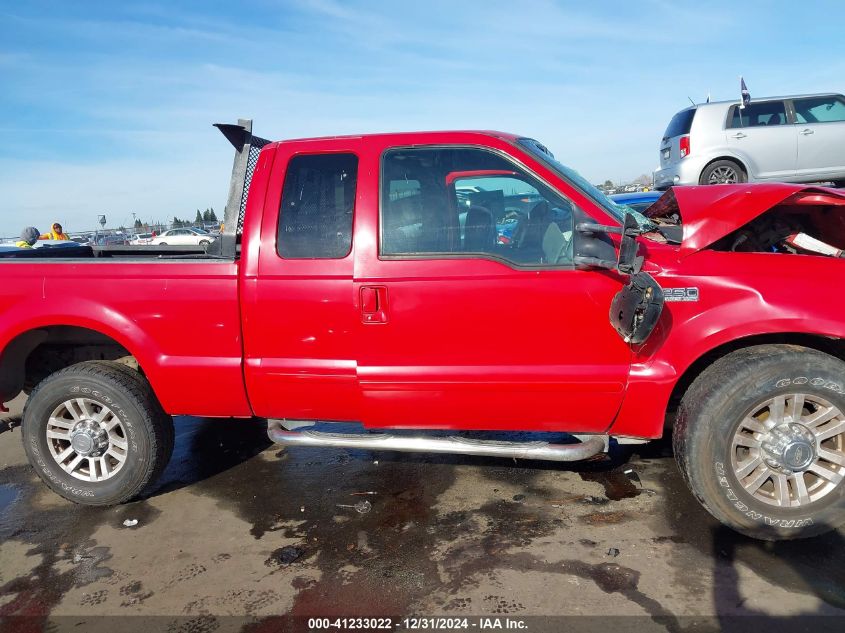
[(202, 217)]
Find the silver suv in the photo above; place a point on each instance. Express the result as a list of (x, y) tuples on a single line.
[(799, 138)]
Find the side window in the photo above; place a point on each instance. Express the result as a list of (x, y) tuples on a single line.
[(317, 202), (470, 202), (819, 110), (758, 114)]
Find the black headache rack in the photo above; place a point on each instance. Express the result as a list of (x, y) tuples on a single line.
[(247, 148)]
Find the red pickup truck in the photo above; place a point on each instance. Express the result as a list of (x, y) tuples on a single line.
[(462, 281)]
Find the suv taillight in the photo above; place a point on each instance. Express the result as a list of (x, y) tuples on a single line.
[(684, 143)]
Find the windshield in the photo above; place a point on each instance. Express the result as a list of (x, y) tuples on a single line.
[(616, 210)]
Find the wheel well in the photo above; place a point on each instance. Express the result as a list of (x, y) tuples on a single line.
[(733, 159), (32, 356), (833, 346)]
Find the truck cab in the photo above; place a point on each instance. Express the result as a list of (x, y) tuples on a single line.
[(381, 288)]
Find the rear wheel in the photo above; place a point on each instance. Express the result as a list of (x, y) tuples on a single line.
[(96, 434), (760, 440), (723, 172)]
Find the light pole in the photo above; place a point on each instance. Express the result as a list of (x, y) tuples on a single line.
[(102, 220)]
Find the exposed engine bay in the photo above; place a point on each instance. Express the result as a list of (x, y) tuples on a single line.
[(811, 222), (772, 233)]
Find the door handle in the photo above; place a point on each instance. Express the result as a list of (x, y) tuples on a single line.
[(739, 135), (807, 131), (373, 304)]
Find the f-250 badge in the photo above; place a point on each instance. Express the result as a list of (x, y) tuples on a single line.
[(680, 294)]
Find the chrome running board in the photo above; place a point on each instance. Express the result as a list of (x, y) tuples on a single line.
[(590, 444)]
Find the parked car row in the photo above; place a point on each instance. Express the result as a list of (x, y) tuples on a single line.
[(632, 188), (185, 236)]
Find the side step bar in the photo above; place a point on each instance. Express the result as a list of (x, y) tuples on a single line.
[(590, 444)]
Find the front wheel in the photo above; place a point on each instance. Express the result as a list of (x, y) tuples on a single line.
[(723, 172), (96, 434), (760, 440)]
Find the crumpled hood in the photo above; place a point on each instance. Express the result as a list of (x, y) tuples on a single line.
[(710, 212)]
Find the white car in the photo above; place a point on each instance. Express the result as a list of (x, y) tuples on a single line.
[(141, 238), (183, 237)]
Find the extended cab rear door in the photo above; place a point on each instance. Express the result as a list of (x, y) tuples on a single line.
[(470, 312), (298, 311)]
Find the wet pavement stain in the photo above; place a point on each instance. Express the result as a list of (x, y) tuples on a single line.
[(284, 556), (609, 577), (381, 562), (58, 540), (8, 495), (617, 484), (335, 561)]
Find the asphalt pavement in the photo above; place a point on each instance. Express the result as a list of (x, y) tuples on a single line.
[(241, 530)]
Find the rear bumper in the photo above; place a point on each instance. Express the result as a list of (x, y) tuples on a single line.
[(684, 172)]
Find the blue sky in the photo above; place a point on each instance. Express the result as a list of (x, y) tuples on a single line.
[(107, 107)]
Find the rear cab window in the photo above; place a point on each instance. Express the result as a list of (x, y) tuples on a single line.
[(757, 114), (318, 200), (680, 124)]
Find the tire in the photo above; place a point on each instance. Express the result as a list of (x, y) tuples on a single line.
[(135, 450), (719, 404), (162, 243), (723, 171)]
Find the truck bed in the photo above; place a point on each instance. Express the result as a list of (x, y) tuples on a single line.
[(178, 315), (141, 252)]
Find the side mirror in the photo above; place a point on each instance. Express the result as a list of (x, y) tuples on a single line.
[(629, 262), (593, 248), (637, 307)]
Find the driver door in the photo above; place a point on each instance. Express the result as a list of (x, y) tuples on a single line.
[(472, 315)]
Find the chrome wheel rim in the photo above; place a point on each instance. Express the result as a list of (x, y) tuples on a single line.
[(722, 176), (789, 451), (87, 439)]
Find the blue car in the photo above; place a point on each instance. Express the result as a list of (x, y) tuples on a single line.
[(639, 201)]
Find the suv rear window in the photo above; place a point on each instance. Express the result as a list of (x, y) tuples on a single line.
[(680, 123), (758, 114), (317, 203)]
